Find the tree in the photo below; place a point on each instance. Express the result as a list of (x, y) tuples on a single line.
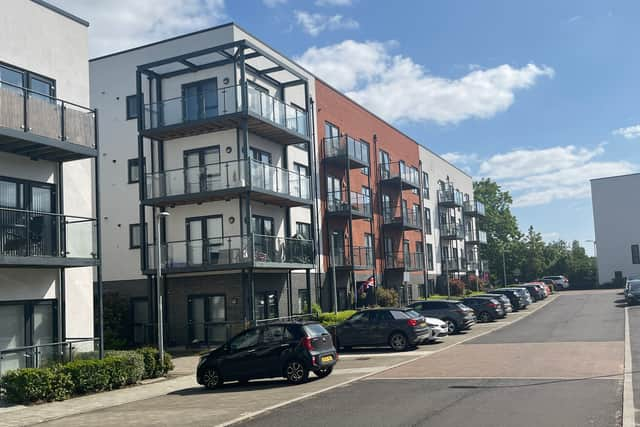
[(500, 224)]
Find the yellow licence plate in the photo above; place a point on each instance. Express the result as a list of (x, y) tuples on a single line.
[(327, 358), (423, 325)]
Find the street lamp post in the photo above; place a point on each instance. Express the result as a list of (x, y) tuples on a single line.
[(159, 218), (504, 267)]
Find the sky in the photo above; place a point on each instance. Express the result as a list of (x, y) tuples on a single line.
[(539, 96)]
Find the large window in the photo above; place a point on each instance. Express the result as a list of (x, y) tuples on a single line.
[(330, 130), (425, 184), (429, 256), (635, 254), (200, 100), (303, 230), (385, 165), (21, 78)]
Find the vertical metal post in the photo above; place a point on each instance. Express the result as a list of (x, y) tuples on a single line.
[(99, 239), (333, 273), (425, 265), (504, 269), (159, 292)]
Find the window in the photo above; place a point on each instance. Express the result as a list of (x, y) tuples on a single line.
[(334, 192), (331, 131), (12, 77), (301, 169), (385, 165), (635, 254), (366, 199), (427, 221), (364, 155), (303, 230), (303, 301), (425, 184), (17, 78), (267, 305), (132, 107), (245, 340), (135, 237), (419, 248), (200, 100), (429, 256), (133, 167), (272, 334), (368, 244), (299, 184), (416, 214)]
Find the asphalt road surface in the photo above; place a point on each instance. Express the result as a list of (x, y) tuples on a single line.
[(561, 366)]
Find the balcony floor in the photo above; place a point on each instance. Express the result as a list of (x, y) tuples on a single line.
[(395, 180), (256, 125), (340, 161), (225, 267), (41, 147), (46, 262), (342, 214), (398, 226), (232, 193)]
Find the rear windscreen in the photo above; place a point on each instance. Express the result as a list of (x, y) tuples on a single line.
[(315, 330), (400, 314), (412, 313)]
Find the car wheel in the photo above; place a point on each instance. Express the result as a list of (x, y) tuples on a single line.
[(323, 372), (295, 372), (398, 341), (211, 378), (452, 328), (484, 317)]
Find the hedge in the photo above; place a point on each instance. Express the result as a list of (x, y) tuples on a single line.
[(331, 318), (82, 376)]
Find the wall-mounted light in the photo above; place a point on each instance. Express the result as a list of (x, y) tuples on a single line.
[(225, 80), (232, 220), (228, 150)]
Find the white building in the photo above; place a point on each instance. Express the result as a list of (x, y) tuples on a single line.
[(616, 203), (48, 144)]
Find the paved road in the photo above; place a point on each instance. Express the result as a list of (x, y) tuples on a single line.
[(561, 366)]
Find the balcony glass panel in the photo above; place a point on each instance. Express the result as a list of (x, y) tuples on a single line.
[(401, 216), (404, 260), (276, 111), (356, 203), (277, 180), (407, 174), (345, 146)]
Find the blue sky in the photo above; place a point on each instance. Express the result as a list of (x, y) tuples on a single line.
[(542, 96)]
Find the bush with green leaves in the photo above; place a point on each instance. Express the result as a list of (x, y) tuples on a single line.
[(152, 366), (32, 385), (331, 318), (387, 297)]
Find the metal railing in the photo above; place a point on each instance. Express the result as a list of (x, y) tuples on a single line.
[(408, 261), (407, 174), (362, 257), (452, 231), (451, 264), (401, 216), (223, 101), (450, 197), (224, 176), (476, 236), (344, 146), (357, 203), (291, 318), (473, 207), (231, 250), (30, 111), (41, 355), (26, 233)]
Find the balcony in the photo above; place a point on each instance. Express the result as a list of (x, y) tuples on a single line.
[(401, 219), (42, 127), (233, 252), (225, 180), (358, 206), (404, 261), (473, 208), (363, 258), (450, 231), (344, 150), (222, 109), (450, 198), (398, 174), (452, 265), (475, 237), (39, 239)]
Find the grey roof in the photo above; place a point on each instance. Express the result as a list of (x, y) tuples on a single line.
[(62, 12)]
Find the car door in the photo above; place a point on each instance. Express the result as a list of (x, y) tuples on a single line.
[(383, 324), (353, 331), (240, 360), (269, 350)]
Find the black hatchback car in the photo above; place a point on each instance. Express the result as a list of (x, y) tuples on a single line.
[(486, 309), (288, 349), (392, 327), (456, 315)]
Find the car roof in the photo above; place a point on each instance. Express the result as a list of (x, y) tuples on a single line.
[(452, 301)]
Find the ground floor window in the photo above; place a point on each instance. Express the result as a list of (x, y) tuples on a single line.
[(422, 292), (207, 315), (140, 321), (343, 299), (303, 301), (267, 305)]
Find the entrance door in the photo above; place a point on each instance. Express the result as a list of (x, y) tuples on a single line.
[(140, 319), (200, 100), (267, 305), (206, 321), (264, 240)]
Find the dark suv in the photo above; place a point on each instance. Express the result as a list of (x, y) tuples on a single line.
[(392, 327), (456, 315), (515, 295), (536, 291), (486, 309), (503, 299), (288, 349)]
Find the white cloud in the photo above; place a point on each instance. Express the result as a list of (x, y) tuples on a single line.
[(464, 161), (630, 132), (273, 3), (122, 24), (315, 23), (551, 236), (397, 88), (334, 2)]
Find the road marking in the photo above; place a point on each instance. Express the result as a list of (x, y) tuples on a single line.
[(628, 404), (616, 377), (250, 415), (371, 355)]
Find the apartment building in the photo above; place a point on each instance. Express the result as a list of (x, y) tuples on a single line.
[(207, 139), (49, 246), (616, 227)]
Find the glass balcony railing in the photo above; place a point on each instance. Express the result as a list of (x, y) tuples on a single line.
[(362, 257), (452, 231), (473, 207), (224, 101), (476, 236), (404, 260), (395, 215), (39, 234), (233, 250), (345, 147), (451, 264), (409, 175), (28, 111), (224, 176), (357, 204), (450, 197)]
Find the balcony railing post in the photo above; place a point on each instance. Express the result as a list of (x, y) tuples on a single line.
[(63, 108), (25, 108), (227, 172)]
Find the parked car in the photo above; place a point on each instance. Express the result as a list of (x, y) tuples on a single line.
[(549, 283), (438, 327), (517, 298), (456, 315), (526, 294), (486, 309), (559, 282), (535, 291), (503, 299), (391, 327), (287, 349), (632, 291)]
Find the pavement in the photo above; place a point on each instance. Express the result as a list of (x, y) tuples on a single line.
[(562, 357)]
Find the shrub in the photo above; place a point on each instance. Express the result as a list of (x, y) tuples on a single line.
[(316, 309), (387, 297), (329, 319), (152, 366), (134, 364), (36, 385), (456, 286)]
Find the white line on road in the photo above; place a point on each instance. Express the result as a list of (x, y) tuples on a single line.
[(608, 377), (628, 404)]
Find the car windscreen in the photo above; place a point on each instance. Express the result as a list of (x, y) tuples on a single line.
[(461, 306), (634, 286), (315, 330)]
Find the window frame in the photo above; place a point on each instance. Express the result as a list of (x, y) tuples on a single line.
[(131, 231), (635, 254), (131, 114), (130, 164)]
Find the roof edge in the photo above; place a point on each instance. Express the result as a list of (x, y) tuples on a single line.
[(615, 176), (62, 12)]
